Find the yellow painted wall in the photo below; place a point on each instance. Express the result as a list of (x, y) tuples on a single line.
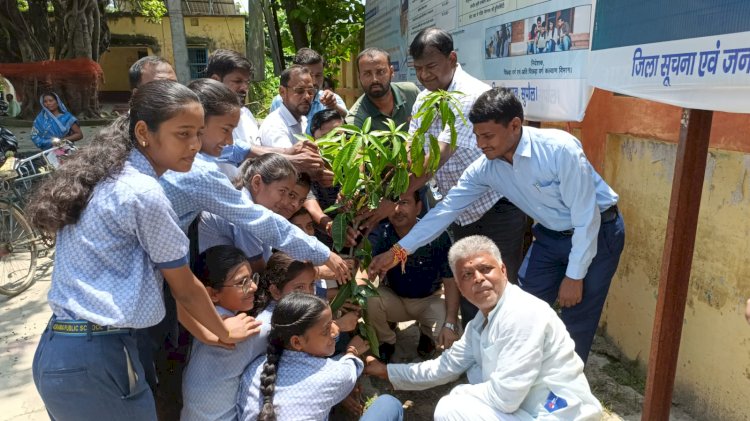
[(224, 32), (713, 372)]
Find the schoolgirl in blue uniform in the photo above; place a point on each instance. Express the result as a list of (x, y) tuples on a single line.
[(117, 239), (206, 188)]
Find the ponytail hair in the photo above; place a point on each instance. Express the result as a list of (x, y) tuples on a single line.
[(293, 316), (280, 269), (216, 98), (271, 167), (61, 199)]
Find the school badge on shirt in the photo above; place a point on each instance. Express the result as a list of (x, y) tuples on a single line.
[(554, 403)]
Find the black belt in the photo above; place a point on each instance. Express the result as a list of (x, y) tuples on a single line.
[(609, 215), (85, 328)]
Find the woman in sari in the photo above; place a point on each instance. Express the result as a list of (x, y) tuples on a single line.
[(54, 121)]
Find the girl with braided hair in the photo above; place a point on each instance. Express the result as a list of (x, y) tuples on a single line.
[(296, 380)]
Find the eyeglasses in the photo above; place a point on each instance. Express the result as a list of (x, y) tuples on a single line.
[(245, 283), (302, 91)]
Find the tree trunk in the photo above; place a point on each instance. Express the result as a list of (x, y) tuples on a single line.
[(297, 27), (277, 50), (277, 27), (255, 40)]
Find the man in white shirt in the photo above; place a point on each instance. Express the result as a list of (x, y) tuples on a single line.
[(234, 70), (437, 66), (517, 354), (324, 99), (281, 126)]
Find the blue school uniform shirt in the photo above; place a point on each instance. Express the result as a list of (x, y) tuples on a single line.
[(550, 180), (212, 376), (214, 230), (206, 188), (106, 264), (307, 387)]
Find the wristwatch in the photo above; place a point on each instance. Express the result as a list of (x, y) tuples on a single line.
[(451, 326)]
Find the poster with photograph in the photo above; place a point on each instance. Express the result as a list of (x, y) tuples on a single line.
[(386, 27), (701, 62), (537, 48)]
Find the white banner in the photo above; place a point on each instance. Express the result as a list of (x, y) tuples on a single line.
[(709, 73), (538, 47), (688, 54)]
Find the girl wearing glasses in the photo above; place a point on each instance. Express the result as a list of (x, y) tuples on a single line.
[(212, 376)]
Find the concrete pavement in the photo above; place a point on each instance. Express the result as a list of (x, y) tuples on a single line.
[(22, 320)]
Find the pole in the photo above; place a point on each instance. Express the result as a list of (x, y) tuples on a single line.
[(682, 223), (179, 43)]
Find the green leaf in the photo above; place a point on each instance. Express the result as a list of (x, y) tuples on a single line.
[(338, 231), (374, 140), (434, 154), (333, 207), (429, 103), (341, 297), (372, 339), (417, 154), (366, 253), (397, 145), (350, 181), (427, 119), (345, 158), (366, 125)]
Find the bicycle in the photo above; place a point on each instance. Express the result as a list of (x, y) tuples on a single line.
[(20, 243)]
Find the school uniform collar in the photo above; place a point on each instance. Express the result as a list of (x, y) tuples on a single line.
[(139, 161)]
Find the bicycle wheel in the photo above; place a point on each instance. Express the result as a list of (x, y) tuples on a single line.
[(17, 251)]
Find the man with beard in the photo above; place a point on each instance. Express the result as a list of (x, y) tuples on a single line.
[(234, 70), (324, 99), (297, 92), (437, 67), (416, 292), (382, 99)]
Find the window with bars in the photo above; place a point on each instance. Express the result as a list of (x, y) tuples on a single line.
[(197, 60)]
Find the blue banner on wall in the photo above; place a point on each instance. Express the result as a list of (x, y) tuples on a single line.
[(688, 53)]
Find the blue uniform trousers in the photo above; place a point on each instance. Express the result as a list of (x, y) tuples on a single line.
[(92, 377), (543, 270)]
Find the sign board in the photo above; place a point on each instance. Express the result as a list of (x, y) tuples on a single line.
[(692, 54), (538, 48)]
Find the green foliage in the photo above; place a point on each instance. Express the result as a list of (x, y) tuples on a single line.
[(152, 10), (333, 27), (372, 165), (262, 92)]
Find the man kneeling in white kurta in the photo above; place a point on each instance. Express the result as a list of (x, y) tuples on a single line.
[(516, 353)]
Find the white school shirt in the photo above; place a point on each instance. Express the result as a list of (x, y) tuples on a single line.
[(205, 188), (214, 230), (523, 354), (106, 264), (212, 375), (307, 387)]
